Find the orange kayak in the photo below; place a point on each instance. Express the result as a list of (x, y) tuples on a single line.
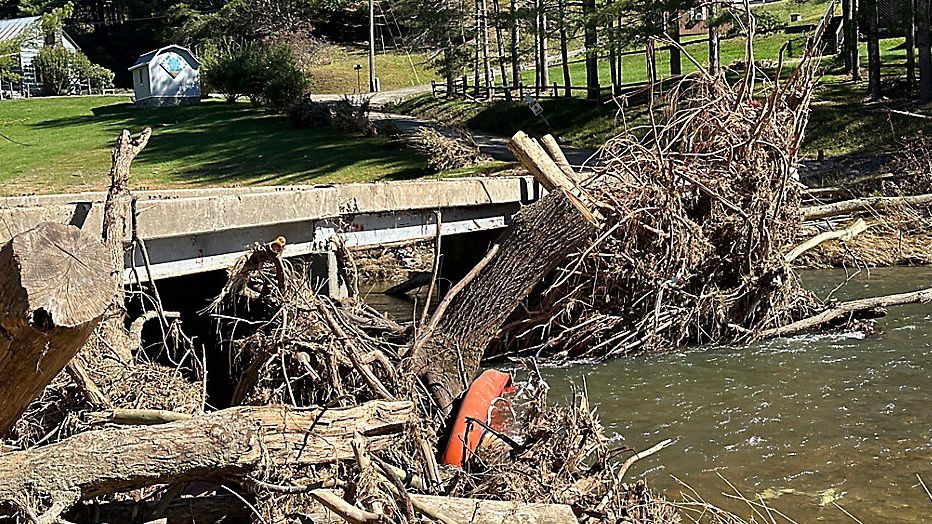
[(490, 385)]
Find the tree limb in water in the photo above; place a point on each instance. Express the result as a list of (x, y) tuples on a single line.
[(846, 311)]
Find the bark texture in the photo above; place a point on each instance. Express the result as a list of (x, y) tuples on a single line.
[(542, 235), (54, 288), (229, 441), (115, 230)]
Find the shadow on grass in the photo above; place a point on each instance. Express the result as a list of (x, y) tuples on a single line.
[(221, 143), (572, 121)]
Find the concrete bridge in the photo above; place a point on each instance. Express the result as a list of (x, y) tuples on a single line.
[(198, 230)]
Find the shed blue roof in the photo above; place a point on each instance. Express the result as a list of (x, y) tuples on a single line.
[(148, 57)]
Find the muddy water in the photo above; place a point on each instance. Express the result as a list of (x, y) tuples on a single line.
[(806, 422)]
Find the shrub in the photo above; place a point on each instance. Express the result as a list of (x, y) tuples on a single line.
[(55, 66), (61, 69), (100, 77), (265, 74), (284, 81), (219, 74)]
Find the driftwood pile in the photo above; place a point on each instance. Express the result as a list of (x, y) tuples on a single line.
[(698, 214), (445, 148), (338, 414), (894, 203)]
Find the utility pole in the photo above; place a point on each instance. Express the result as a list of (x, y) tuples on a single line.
[(372, 87)]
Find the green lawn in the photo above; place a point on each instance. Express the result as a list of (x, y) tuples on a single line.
[(63, 145), (810, 11), (634, 67), (395, 70)]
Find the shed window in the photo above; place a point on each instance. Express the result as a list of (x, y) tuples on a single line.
[(140, 76)]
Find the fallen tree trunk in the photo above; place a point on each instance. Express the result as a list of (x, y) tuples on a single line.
[(54, 289), (230, 441), (857, 205), (448, 352), (115, 229), (224, 508), (182, 510), (846, 311), (466, 511)]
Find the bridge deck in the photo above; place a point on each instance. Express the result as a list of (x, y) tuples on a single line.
[(196, 230)]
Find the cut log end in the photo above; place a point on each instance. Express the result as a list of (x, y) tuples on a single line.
[(63, 280)]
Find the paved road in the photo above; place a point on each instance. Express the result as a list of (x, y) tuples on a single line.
[(379, 100)]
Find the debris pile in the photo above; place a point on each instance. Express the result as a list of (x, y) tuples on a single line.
[(446, 148), (335, 413), (698, 216), (895, 205)]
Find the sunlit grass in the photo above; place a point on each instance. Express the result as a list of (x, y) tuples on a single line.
[(63, 145)]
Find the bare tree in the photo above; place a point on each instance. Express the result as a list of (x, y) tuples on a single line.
[(515, 55), (676, 67), (924, 41), (592, 51), (486, 63), (564, 48), (500, 45), (873, 49), (545, 71), (851, 40), (715, 46), (612, 52), (910, 44)]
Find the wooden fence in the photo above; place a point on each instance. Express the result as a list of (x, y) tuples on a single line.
[(461, 87)]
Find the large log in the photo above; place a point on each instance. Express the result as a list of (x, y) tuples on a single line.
[(447, 354), (54, 288), (469, 511), (860, 205), (116, 228), (217, 509), (231, 441)]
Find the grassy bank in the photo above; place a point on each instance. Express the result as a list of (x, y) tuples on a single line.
[(573, 121), (63, 145), (335, 73), (842, 121)]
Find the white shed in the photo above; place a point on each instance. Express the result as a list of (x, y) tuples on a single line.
[(167, 76)]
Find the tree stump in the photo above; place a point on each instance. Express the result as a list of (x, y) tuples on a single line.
[(54, 288)]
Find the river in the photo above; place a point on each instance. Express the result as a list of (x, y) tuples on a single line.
[(806, 422)]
